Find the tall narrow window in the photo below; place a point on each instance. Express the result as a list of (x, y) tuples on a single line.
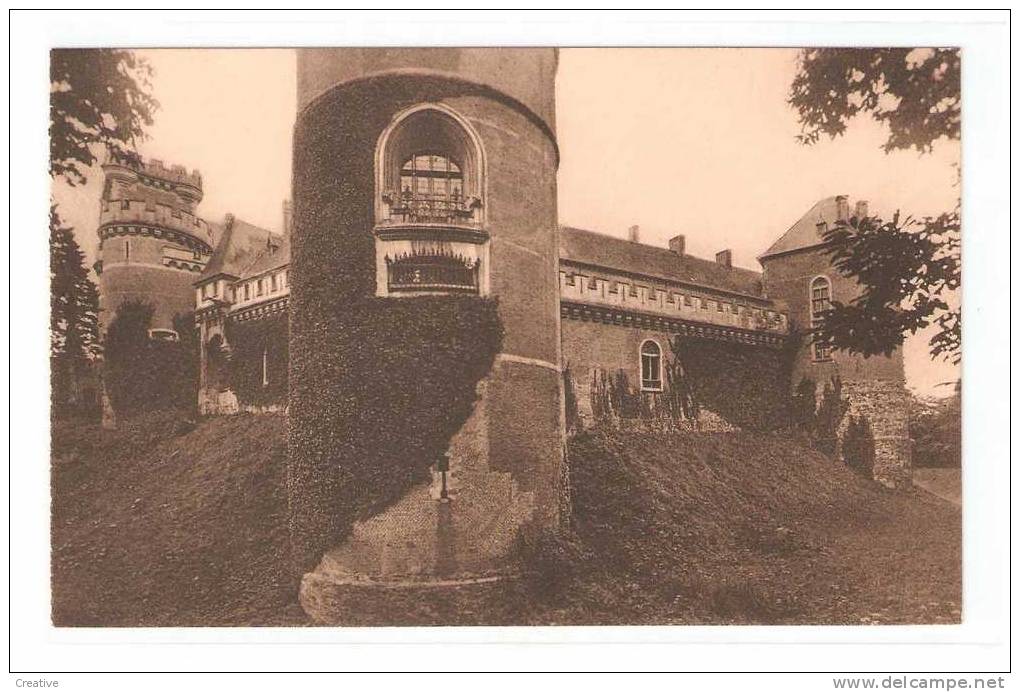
[(651, 367), (127, 250), (821, 301), (265, 366)]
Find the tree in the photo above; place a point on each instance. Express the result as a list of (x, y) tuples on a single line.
[(905, 270), (97, 96), (915, 91), (74, 316), (905, 267)]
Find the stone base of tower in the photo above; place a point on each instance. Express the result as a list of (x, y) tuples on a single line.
[(452, 539), (332, 601)]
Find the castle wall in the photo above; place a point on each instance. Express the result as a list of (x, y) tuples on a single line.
[(589, 347), (169, 290), (875, 386)]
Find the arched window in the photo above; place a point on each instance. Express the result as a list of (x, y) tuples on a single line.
[(821, 301), (430, 169), (651, 367)]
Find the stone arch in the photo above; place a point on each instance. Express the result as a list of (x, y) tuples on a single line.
[(429, 128)]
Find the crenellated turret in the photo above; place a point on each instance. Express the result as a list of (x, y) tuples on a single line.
[(152, 243)]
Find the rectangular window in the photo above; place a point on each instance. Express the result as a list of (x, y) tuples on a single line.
[(259, 287), (273, 282), (127, 250), (247, 291), (286, 278), (569, 280), (687, 301), (721, 307)]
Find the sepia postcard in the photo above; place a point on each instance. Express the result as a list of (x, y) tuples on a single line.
[(440, 334)]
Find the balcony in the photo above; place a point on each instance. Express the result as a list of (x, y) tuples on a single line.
[(432, 272), (416, 208)]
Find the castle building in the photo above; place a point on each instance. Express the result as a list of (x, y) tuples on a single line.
[(432, 172), (152, 243), (245, 279), (797, 270)]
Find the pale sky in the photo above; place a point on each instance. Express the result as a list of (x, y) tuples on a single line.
[(692, 141)]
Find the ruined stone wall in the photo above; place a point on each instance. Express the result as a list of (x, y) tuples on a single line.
[(885, 404)]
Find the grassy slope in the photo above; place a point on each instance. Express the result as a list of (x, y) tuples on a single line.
[(749, 528), (166, 523)]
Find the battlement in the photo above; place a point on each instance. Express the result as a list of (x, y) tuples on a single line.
[(157, 170), (128, 211)]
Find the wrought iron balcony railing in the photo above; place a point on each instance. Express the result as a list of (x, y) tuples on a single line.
[(432, 273), (407, 207)]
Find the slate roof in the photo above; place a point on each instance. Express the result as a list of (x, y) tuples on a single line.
[(269, 257), (238, 245), (804, 233), (588, 247)]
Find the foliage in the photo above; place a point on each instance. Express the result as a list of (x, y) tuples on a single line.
[(97, 96), (572, 419), (613, 397), (74, 322), (144, 375), (748, 386), (935, 428), (185, 355), (252, 343), (378, 405), (905, 269), (859, 446), (829, 416), (804, 404), (916, 92)]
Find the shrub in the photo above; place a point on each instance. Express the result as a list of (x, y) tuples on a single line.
[(859, 446), (935, 430), (550, 563), (144, 375), (254, 344), (572, 419), (829, 416)]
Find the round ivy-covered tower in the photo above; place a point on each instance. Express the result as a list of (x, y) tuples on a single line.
[(425, 392)]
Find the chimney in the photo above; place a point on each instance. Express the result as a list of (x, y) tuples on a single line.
[(676, 244), (288, 214), (861, 209), (725, 258), (842, 208), (634, 234)]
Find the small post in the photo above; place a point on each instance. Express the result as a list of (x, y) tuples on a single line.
[(443, 465)]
